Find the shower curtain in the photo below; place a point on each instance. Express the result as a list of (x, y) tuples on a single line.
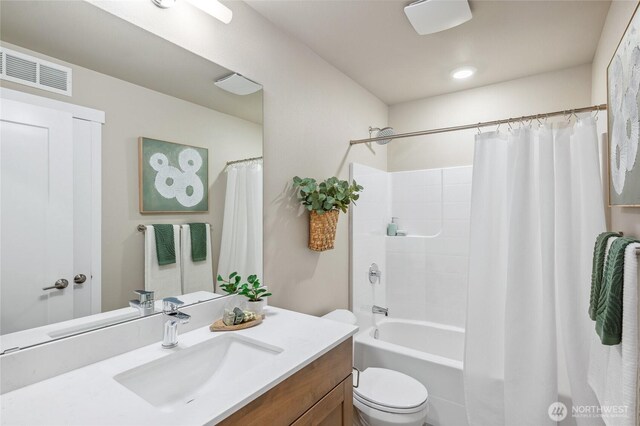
[(241, 246), (536, 209)]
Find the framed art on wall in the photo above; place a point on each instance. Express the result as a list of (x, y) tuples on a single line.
[(173, 178), (623, 93)]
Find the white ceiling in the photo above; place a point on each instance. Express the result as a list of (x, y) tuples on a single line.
[(82, 34), (374, 43)]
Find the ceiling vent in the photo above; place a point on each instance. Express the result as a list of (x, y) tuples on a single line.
[(31, 71), (432, 16)]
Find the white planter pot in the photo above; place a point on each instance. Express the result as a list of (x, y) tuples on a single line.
[(257, 307)]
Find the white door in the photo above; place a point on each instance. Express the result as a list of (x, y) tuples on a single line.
[(36, 215)]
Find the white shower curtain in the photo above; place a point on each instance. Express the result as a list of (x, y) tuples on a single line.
[(536, 209), (241, 246)]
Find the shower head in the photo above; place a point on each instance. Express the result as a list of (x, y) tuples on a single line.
[(385, 131)]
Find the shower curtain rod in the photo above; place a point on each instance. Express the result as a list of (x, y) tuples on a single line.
[(244, 160), (481, 124)]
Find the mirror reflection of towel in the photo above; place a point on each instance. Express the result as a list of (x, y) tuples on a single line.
[(164, 280), (197, 275), (198, 241), (165, 244)]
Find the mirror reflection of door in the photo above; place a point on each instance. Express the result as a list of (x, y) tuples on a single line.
[(37, 223)]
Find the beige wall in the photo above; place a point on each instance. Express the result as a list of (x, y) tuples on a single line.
[(626, 219), (553, 91), (133, 111), (311, 111)]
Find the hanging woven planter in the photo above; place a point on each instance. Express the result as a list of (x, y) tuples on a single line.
[(322, 230), (325, 201)]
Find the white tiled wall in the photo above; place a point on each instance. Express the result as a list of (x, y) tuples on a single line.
[(425, 273), (416, 199), (369, 219)]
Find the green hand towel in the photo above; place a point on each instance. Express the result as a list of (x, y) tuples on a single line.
[(198, 241), (599, 253), (609, 312), (165, 244)]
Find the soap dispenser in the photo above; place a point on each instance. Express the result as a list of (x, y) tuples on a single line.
[(392, 228)]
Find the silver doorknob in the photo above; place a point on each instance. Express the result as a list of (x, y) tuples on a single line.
[(59, 285), (79, 279)]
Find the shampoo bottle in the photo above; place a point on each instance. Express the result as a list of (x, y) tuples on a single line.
[(392, 228)]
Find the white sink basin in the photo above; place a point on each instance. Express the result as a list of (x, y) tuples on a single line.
[(175, 380)]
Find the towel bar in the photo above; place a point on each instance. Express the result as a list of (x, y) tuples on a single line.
[(142, 228)]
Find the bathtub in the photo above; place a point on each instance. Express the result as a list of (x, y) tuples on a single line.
[(431, 353)]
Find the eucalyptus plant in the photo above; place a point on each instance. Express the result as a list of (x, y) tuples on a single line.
[(328, 195), (253, 290)]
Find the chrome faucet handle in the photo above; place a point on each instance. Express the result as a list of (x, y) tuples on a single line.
[(170, 310), (170, 305), (145, 303), (145, 295)]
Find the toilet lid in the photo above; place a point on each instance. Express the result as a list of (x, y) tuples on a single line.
[(389, 389)]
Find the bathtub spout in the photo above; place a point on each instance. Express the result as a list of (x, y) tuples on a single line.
[(380, 310)]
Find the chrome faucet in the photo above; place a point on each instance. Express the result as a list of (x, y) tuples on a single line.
[(145, 304), (380, 310), (170, 310)]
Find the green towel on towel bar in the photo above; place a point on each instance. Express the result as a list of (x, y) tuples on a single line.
[(165, 244), (599, 253), (198, 241), (609, 312)]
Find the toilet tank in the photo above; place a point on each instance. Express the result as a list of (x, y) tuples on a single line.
[(342, 315)]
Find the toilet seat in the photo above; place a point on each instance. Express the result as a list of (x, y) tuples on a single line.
[(390, 391)]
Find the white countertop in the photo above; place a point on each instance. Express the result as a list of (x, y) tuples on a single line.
[(91, 395)]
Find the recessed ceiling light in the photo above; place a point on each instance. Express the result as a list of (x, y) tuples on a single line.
[(462, 73)]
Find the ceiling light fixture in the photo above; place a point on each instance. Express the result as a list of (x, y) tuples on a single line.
[(214, 8), (432, 16), (463, 72), (238, 84)]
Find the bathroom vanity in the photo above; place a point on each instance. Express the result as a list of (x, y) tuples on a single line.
[(292, 369)]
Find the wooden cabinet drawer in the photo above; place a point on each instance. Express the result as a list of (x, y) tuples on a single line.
[(336, 408), (288, 401)]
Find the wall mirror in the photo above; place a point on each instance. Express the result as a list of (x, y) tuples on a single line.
[(72, 252)]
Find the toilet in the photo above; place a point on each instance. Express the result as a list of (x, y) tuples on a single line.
[(385, 397)]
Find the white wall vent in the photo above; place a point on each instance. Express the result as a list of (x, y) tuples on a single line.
[(34, 72)]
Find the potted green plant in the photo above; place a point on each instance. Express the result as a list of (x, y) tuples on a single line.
[(256, 293), (324, 201), (230, 285)]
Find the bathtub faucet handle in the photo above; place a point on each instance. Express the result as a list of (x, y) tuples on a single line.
[(380, 310), (374, 273)]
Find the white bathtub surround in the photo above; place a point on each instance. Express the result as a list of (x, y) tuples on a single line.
[(98, 393), (241, 245), (369, 219), (430, 353), (536, 210), (425, 273), (163, 280)]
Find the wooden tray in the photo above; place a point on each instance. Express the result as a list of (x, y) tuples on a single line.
[(220, 326)]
